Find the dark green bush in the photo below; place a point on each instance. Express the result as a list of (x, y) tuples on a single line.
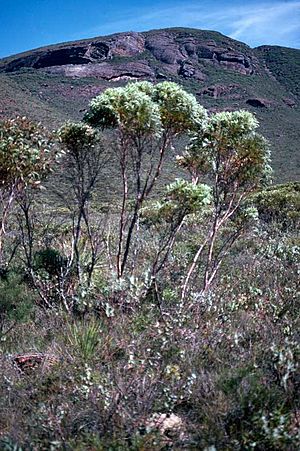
[(280, 203), (49, 260), (16, 300)]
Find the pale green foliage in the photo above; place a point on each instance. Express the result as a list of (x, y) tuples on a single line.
[(182, 198), (74, 136), (84, 157), (26, 151), (130, 107), (227, 150), (189, 195), (178, 109), (144, 108), (228, 146), (280, 203), (148, 118), (245, 219), (246, 215), (233, 124), (286, 360)]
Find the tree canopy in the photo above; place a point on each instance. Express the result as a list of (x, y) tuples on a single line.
[(26, 151), (144, 108)]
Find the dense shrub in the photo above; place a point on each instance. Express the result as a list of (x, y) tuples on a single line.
[(49, 260), (280, 203), (16, 302), (158, 322)]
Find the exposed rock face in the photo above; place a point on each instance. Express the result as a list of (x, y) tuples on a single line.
[(187, 70), (126, 44), (123, 44), (188, 50), (180, 54), (106, 71), (226, 57), (164, 48), (97, 51), (235, 61)]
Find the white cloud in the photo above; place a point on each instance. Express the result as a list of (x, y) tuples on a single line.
[(268, 22), (277, 24)]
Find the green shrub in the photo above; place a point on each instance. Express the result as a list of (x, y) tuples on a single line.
[(16, 301), (85, 338), (280, 203), (49, 260)]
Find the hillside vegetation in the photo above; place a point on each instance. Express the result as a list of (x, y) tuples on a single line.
[(156, 312)]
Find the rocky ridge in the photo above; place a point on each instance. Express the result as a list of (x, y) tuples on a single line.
[(55, 83), (181, 54)]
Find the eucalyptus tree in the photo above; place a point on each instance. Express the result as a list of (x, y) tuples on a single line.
[(229, 152), (147, 120), (64, 273), (27, 152), (85, 156)]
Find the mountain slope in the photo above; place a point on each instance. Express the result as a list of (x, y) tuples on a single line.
[(56, 83)]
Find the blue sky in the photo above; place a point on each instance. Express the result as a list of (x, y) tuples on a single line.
[(27, 24)]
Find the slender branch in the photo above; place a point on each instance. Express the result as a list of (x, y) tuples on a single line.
[(192, 268), (167, 247), (123, 163), (141, 195), (6, 209)]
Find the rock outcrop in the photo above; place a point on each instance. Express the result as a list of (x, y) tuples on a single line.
[(106, 71), (230, 91), (260, 103), (184, 54), (92, 51)]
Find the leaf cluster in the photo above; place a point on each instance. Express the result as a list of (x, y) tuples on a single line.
[(26, 151), (181, 199), (144, 108), (227, 146)]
